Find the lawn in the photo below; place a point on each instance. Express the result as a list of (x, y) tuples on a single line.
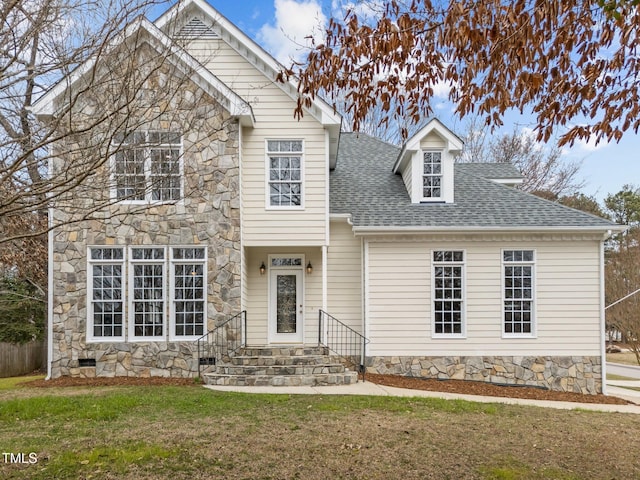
[(627, 358), (191, 432)]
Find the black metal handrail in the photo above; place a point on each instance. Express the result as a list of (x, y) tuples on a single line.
[(342, 340), (223, 341)]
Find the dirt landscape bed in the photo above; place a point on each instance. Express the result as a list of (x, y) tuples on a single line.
[(450, 386)]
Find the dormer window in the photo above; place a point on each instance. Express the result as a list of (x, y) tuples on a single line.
[(432, 175), (426, 164)]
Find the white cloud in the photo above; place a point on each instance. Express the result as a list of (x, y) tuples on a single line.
[(371, 9), (590, 145), (294, 20)]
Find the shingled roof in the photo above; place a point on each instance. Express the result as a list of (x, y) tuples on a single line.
[(364, 186)]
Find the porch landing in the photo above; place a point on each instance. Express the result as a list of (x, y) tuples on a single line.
[(281, 366)]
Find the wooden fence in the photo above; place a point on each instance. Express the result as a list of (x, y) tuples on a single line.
[(20, 359)]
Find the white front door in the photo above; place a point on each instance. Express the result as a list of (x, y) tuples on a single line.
[(285, 305)]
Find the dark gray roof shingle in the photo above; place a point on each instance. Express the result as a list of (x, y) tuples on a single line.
[(364, 186)]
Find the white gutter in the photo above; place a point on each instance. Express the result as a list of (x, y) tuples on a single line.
[(391, 230)]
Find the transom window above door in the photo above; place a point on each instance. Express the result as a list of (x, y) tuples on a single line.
[(284, 158)]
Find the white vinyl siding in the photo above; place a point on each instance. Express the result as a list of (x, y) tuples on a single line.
[(567, 309), (344, 276), (273, 110)]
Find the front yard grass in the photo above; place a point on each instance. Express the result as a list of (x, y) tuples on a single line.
[(627, 358), (191, 432)]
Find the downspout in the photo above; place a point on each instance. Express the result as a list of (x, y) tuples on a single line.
[(50, 284), (324, 277), (603, 348)]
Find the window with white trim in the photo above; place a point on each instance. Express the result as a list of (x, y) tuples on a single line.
[(285, 173), (147, 166), (448, 292), (518, 299), (432, 175), (106, 305), (189, 267), (157, 287), (147, 292)]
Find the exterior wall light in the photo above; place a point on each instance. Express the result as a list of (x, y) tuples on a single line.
[(309, 268), (263, 269)]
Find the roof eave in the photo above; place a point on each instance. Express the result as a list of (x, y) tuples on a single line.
[(44, 106)]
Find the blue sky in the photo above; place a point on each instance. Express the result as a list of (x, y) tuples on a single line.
[(605, 167)]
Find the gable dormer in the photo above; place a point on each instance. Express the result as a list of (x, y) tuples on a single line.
[(426, 163)]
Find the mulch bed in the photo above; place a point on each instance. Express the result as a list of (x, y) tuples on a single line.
[(111, 382), (450, 386), (487, 389)]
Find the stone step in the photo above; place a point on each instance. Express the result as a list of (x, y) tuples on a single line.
[(346, 378), (280, 370), (271, 360), (287, 351)]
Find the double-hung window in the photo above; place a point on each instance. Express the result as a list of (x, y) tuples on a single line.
[(432, 175), (189, 291), (518, 299), (147, 293), (448, 293), (106, 294), (284, 161), (147, 166)]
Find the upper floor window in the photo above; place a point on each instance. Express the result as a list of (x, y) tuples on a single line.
[(448, 293), (432, 175), (147, 166), (284, 173), (518, 300)]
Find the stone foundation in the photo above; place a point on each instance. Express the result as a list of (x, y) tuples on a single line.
[(565, 374), (158, 359)]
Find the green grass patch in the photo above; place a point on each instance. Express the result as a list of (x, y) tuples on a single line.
[(509, 468), (12, 382), (116, 460), (184, 432), (627, 358)]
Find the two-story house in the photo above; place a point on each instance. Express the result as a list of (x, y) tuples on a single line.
[(219, 209)]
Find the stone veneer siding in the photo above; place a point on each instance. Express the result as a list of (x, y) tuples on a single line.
[(566, 373), (208, 215)]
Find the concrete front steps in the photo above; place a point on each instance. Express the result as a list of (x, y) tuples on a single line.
[(281, 367)]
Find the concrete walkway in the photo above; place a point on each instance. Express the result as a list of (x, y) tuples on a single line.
[(368, 388)]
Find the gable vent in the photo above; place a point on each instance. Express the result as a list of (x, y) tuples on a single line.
[(196, 28)]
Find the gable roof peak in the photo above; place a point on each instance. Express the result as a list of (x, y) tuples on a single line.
[(45, 105), (250, 50)]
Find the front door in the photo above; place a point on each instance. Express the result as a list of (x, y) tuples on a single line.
[(285, 305)]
